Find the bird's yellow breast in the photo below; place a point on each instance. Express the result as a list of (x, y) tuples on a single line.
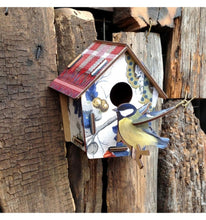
[(134, 135)]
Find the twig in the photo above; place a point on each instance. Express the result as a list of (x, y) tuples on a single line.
[(101, 127)]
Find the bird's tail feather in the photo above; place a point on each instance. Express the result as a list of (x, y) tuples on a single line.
[(162, 142)]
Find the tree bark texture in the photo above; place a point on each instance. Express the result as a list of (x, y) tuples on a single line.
[(134, 18), (181, 166), (33, 165), (75, 32), (186, 62), (130, 189)]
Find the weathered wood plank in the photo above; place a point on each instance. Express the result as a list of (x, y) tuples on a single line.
[(86, 181), (173, 81), (134, 18), (33, 165), (129, 188), (166, 16), (75, 32), (185, 66), (181, 166)]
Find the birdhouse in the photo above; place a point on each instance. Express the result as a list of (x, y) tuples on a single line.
[(99, 80)]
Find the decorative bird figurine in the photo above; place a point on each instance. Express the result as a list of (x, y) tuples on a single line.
[(134, 128), (135, 131)]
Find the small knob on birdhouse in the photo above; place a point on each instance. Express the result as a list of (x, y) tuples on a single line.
[(104, 105), (96, 102)]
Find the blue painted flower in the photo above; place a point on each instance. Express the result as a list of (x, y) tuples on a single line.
[(91, 93), (146, 83), (115, 129), (86, 119)]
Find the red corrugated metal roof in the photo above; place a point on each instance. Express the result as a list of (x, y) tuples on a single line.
[(74, 80)]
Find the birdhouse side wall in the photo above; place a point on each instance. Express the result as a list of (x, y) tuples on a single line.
[(76, 125)]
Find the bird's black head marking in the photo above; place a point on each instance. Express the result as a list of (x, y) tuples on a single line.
[(123, 107)]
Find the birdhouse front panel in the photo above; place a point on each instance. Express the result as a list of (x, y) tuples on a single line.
[(122, 82)]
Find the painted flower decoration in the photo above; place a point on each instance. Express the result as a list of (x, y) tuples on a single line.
[(91, 93)]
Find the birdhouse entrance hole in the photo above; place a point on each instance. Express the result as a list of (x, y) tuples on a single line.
[(120, 93)]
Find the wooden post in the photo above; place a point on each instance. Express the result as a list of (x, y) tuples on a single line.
[(33, 165), (185, 66), (129, 188), (181, 175), (75, 32), (134, 18)]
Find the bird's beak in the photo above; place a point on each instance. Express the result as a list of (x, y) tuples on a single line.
[(115, 109)]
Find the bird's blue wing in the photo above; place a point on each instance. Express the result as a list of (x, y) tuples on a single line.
[(140, 112), (147, 117)]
